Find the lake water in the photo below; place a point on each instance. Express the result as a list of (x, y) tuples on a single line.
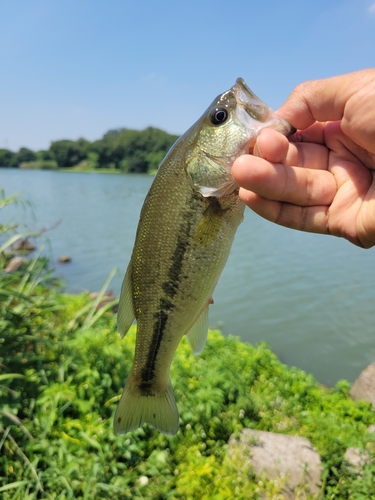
[(310, 297)]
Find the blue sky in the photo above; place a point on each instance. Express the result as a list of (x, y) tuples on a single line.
[(77, 68)]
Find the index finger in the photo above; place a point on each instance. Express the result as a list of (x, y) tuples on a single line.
[(322, 100)]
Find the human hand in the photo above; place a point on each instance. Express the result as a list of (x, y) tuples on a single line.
[(324, 180)]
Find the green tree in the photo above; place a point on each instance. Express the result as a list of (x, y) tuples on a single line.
[(141, 150), (84, 146), (138, 151), (8, 158), (44, 155), (103, 148), (67, 153), (135, 164), (25, 155), (131, 150)]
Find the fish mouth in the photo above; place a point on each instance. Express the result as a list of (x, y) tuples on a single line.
[(258, 110), (240, 88), (254, 106)]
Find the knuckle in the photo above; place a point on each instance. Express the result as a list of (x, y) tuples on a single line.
[(309, 187)]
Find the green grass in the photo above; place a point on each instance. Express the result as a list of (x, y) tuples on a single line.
[(64, 388), (83, 167), (39, 165)]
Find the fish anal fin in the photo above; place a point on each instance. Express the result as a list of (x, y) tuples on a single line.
[(125, 315), (158, 410), (197, 335)]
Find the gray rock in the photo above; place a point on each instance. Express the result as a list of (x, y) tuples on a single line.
[(15, 263), (364, 386), (280, 456), (355, 459), (24, 244), (64, 259)]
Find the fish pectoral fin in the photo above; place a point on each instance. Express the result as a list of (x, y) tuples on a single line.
[(210, 176), (158, 410), (210, 224), (125, 315), (197, 335)]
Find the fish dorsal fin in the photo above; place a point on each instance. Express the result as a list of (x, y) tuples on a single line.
[(125, 315), (210, 176), (197, 335)]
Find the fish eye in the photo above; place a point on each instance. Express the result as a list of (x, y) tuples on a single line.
[(218, 116)]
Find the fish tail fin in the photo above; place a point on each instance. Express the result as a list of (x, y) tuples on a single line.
[(158, 410)]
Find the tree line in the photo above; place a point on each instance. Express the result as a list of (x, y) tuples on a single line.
[(131, 151)]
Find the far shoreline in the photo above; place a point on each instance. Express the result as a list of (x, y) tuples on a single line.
[(78, 169)]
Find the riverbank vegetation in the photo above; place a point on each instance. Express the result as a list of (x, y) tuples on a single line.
[(121, 150), (62, 369)]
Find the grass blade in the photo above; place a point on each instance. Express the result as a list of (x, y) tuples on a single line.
[(88, 320)]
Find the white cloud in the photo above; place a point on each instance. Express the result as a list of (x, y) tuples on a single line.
[(371, 9)]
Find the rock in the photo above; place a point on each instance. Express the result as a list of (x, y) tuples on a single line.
[(24, 244), (64, 259), (355, 459), (364, 386), (279, 455), (107, 297), (15, 263)]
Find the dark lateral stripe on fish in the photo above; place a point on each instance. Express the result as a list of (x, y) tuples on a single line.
[(166, 306), (147, 374), (171, 287)]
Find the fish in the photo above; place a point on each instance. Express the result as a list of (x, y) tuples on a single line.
[(186, 228)]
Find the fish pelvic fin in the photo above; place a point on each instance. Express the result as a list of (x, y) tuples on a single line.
[(158, 410), (197, 335), (126, 314)]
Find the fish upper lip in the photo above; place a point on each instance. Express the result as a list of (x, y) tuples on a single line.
[(251, 102), (241, 88), (248, 99), (241, 83)]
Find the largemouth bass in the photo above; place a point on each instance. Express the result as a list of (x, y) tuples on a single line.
[(185, 232)]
